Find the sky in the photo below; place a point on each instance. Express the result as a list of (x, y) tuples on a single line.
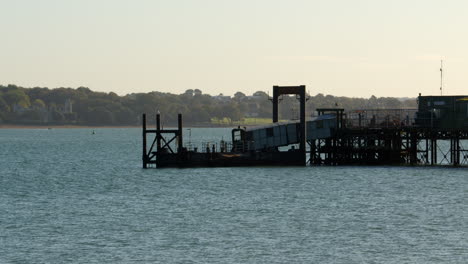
[(350, 48)]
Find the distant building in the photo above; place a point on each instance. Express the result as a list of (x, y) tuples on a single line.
[(68, 107), (442, 111)]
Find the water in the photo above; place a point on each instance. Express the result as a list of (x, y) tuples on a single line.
[(67, 196)]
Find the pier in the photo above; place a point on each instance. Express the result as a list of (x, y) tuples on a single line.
[(435, 134)]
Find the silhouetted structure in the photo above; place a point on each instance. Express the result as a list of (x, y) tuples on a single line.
[(334, 137)]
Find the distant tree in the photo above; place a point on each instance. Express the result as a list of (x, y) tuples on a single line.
[(189, 92), (372, 102), (84, 90), (230, 111), (37, 93), (113, 96), (100, 116), (16, 96), (203, 115), (389, 102), (411, 103), (239, 96), (11, 87), (38, 104), (100, 108), (57, 117), (31, 115), (4, 106), (125, 116), (197, 92), (260, 93)]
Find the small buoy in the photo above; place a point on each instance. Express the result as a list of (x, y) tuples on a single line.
[(93, 132)]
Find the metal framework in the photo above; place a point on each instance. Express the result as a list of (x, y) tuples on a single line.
[(301, 92), (360, 137), (162, 144), (391, 146)]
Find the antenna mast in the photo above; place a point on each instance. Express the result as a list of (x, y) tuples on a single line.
[(441, 76)]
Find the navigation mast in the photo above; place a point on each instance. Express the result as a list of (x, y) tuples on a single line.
[(441, 76)]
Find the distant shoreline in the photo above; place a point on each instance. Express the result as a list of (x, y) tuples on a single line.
[(10, 126)]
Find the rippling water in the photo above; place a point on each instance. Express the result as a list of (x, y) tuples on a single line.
[(69, 196)]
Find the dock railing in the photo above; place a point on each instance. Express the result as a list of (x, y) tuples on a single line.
[(380, 118)]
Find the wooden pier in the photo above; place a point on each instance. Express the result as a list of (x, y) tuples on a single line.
[(438, 136)]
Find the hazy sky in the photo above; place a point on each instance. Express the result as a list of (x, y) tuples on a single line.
[(350, 47)]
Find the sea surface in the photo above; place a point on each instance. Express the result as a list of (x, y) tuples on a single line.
[(71, 196)]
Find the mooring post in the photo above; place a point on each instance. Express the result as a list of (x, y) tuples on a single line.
[(179, 136), (145, 158)]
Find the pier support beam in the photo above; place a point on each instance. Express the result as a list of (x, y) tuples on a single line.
[(413, 148), (433, 150), (158, 132), (275, 103), (144, 157), (455, 150), (180, 141)]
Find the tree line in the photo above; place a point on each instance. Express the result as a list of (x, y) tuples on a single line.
[(82, 106)]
